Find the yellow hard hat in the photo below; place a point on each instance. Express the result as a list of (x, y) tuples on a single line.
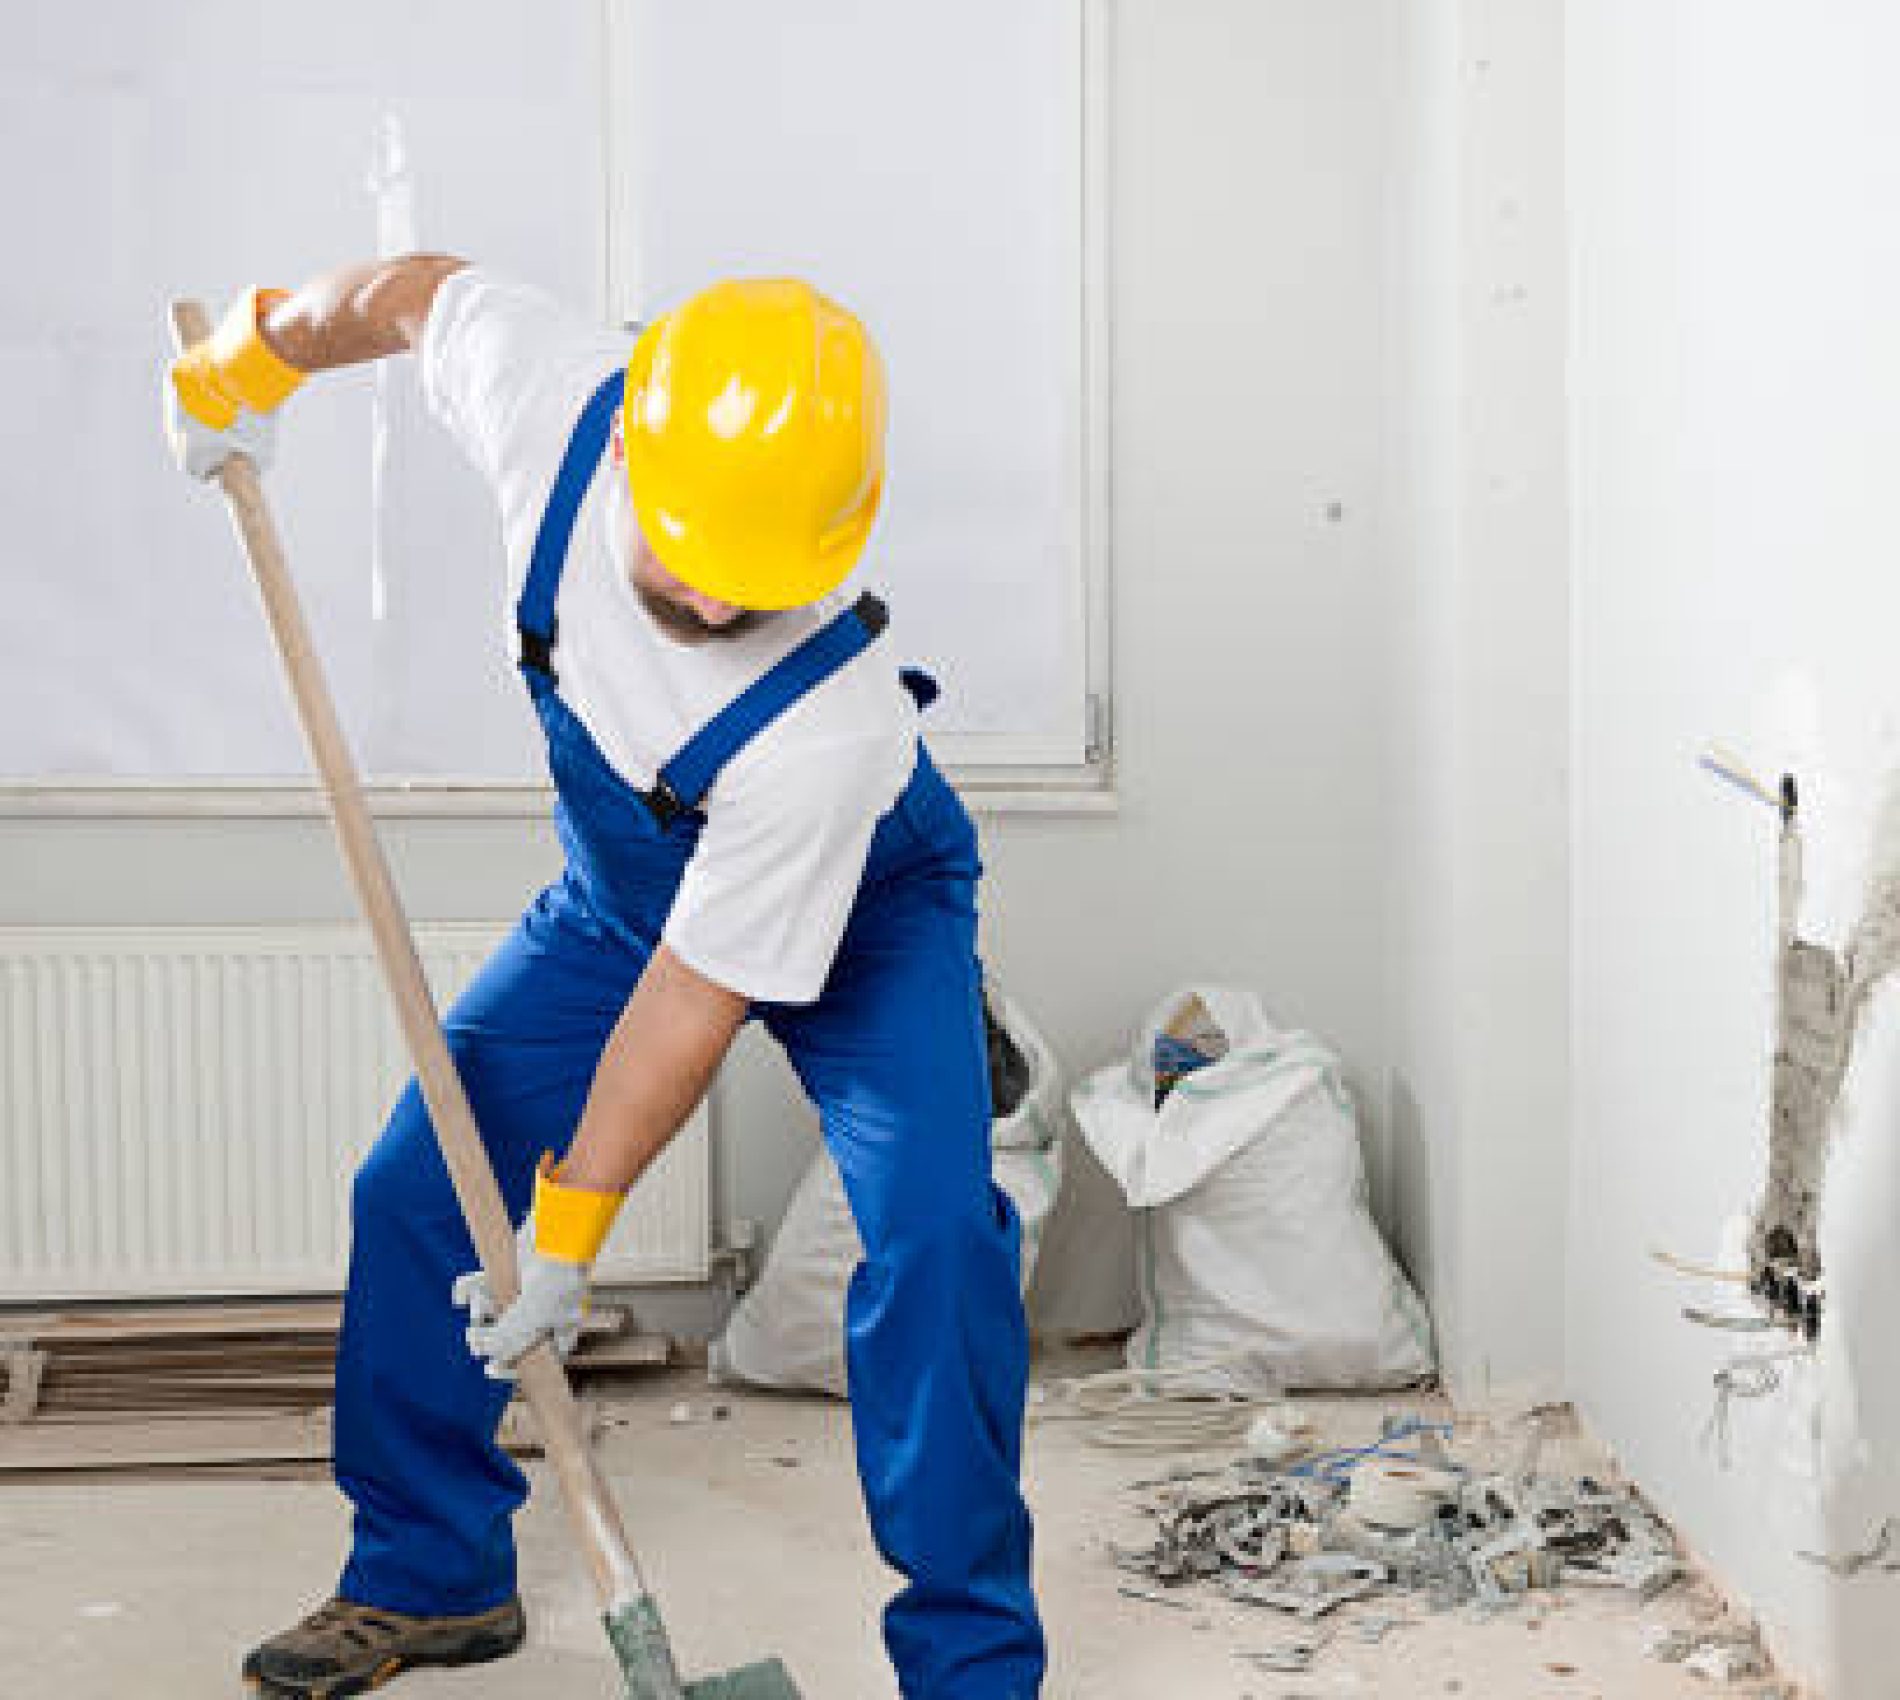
[(754, 427)]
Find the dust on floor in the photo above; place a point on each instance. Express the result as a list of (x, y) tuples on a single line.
[(752, 1532)]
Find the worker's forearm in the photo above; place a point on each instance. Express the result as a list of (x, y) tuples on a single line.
[(357, 313), (665, 1049)]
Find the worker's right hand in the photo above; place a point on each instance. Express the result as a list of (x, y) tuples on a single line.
[(550, 1306), (554, 1251), (221, 392)]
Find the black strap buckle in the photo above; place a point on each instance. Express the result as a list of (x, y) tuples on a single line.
[(665, 802), (923, 689), (872, 614), (537, 649)]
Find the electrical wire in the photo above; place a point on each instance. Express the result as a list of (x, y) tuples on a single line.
[(1749, 1375), (1699, 1271), (1153, 1410), (1337, 1465)]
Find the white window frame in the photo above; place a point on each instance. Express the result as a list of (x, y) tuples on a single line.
[(989, 783), (1001, 771)]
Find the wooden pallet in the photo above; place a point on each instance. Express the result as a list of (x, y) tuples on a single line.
[(217, 1385)]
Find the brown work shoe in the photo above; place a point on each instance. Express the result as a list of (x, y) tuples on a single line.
[(342, 1648)]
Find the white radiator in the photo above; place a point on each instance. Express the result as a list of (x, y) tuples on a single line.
[(181, 1110)]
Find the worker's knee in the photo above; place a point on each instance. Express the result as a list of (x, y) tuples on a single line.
[(941, 1287), (952, 1236), (403, 1179)]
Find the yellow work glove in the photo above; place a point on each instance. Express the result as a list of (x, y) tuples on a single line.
[(221, 392), (554, 1251)]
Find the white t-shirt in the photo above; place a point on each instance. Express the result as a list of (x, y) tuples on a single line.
[(770, 885)]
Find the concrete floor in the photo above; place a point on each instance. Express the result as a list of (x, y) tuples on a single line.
[(755, 1541)]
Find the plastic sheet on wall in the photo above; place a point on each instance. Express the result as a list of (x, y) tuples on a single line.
[(198, 150)]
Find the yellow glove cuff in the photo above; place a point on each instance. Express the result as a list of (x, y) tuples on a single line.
[(234, 367), (571, 1222), (199, 392), (251, 371)]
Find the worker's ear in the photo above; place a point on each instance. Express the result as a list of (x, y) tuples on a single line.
[(619, 443)]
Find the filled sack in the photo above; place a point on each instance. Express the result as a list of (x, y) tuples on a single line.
[(1236, 1143)]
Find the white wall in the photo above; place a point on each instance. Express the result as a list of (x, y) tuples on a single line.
[(1250, 160), (1477, 858), (1736, 377), (1252, 164)]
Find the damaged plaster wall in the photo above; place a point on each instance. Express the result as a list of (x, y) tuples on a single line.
[(1823, 996), (1735, 364)]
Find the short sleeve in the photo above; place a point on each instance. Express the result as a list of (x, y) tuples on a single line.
[(766, 896), (505, 369)]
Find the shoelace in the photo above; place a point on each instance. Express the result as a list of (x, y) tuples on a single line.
[(361, 1626)]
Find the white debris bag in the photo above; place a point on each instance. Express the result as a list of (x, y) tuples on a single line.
[(788, 1331), (1256, 1253)]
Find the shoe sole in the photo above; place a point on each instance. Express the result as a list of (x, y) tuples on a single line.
[(343, 1688)]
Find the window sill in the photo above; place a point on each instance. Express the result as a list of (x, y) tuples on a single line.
[(986, 792)]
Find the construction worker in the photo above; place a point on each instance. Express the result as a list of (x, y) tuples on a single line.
[(752, 830)]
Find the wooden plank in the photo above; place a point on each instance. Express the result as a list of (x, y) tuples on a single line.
[(192, 1346), (65, 1371), (131, 1361), (57, 1384), (135, 1396), (214, 1322), (197, 1321), (207, 1442), (117, 1418), (159, 1441), (26, 1370), (623, 1351)]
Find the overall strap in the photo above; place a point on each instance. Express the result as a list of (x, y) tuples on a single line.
[(685, 780), (534, 613)]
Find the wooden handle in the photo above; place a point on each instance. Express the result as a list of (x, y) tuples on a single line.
[(543, 1381)]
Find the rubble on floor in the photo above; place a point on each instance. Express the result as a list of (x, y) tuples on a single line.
[(1420, 1519)]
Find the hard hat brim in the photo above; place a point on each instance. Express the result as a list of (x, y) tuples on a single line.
[(689, 547)]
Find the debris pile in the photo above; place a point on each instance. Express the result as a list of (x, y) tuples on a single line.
[(1191, 1040), (1403, 1513), (1408, 1519), (1724, 1651)]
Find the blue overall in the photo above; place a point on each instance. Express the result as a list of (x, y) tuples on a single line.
[(892, 1054)]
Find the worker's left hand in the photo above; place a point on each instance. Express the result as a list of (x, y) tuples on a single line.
[(552, 1300), (222, 394), (201, 451)]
